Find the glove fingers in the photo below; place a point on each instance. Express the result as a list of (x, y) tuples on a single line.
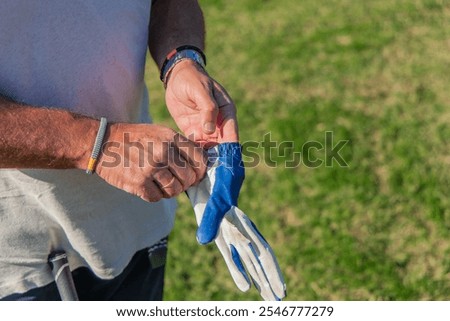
[(266, 294), (264, 254), (256, 271), (239, 275), (270, 287), (238, 263), (273, 273)]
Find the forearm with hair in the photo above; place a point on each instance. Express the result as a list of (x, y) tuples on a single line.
[(44, 138), (174, 23)]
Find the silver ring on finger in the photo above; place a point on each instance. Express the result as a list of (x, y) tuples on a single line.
[(169, 183)]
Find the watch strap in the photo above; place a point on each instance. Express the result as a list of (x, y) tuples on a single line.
[(178, 55)]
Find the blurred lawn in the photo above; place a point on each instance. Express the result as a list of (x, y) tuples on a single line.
[(376, 73)]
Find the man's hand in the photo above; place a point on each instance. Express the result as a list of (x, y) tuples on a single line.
[(200, 106), (150, 161)]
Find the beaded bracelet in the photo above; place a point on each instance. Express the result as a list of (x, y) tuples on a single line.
[(97, 145)]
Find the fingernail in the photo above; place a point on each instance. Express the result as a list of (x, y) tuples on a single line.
[(209, 127)]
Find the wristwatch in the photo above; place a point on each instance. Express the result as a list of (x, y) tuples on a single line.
[(180, 54)]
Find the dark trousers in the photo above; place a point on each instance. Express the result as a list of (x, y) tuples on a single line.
[(140, 281)]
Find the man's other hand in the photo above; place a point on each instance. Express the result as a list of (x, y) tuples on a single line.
[(150, 161), (200, 106)]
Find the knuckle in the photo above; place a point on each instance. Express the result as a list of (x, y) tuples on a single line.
[(175, 189), (162, 176), (152, 197), (149, 192), (201, 169), (209, 106), (146, 195), (192, 179), (188, 178)]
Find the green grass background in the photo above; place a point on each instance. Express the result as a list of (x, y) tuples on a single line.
[(375, 73)]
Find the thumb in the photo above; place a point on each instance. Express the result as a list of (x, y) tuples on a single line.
[(209, 226), (208, 111)]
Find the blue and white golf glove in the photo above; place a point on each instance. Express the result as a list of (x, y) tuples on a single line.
[(247, 254)]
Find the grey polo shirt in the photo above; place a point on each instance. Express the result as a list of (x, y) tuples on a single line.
[(87, 57)]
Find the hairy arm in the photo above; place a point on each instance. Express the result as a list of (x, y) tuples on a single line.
[(44, 138), (57, 139)]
